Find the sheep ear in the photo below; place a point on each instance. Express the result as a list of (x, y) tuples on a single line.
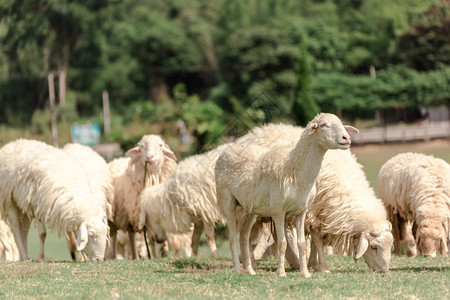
[(389, 226), (362, 247), (82, 237), (351, 129), (168, 153), (312, 127), (133, 152)]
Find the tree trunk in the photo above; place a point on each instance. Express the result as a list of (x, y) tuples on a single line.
[(158, 89)]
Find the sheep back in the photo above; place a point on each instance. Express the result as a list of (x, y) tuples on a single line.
[(45, 183)]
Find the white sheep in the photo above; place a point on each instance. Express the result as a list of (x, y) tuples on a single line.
[(46, 184), (345, 207), (100, 181), (276, 182), (8, 247), (347, 215), (151, 161), (187, 197), (416, 187)]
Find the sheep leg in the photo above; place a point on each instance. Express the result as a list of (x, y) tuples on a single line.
[(152, 243), (228, 206), (134, 253), (210, 238), (244, 239), (25, 223), (196, 234), (313, 262), (318, 242), (262, 245), (42, 235), (111, 250), (15, 224), (281, 243), (396, 233), (164, 249), (302, 246), (292, 254)]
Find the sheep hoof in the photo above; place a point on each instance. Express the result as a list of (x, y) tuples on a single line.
[(248, 271), (307, 274), (281, 274)]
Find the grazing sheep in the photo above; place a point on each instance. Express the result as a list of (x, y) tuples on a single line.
[(8, 247), (276, 182), (416, 187), (151, 162), (44, 183), (100, 181), (187, 196), (347, 215)]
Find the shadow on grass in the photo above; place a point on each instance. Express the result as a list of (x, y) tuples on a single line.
[(419, 269), (196, 264)]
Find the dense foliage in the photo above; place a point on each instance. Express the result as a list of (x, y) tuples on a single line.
[(230, 58)]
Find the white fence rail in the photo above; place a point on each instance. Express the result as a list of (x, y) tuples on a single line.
[(407, 133)]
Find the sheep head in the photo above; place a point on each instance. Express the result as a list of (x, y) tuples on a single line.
[(376, 245), (430, 236), (92, 238), (330, 132), (152, 150)]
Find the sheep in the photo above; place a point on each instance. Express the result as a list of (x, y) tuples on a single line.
[(46, 184), (416, 187), (347, 215), (151, 162), (342, 210), (187, 196), (8, 247), (100, 181), (276, 182)]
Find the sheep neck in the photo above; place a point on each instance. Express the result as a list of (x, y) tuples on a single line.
[(304, 161)]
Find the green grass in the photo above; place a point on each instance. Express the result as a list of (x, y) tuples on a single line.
[(203, 277)]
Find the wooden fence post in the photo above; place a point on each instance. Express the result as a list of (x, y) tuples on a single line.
[(106, 115), (51, 93)]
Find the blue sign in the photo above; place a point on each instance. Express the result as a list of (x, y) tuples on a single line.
[(86, 134)]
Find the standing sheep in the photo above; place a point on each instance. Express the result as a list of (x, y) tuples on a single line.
[(188, 196), (151, 162), (44, 183), (416, 187), (347, 215), (276, 182), (100, 181), (8, 247), (345, 207)]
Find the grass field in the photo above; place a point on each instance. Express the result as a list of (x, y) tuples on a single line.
[(203, 277)]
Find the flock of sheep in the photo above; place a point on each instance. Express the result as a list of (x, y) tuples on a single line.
[(303, 186)]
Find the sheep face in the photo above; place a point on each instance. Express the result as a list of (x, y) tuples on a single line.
[(92, 239), (152, 150), (431, 236), (330, 132), (376, 246)]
